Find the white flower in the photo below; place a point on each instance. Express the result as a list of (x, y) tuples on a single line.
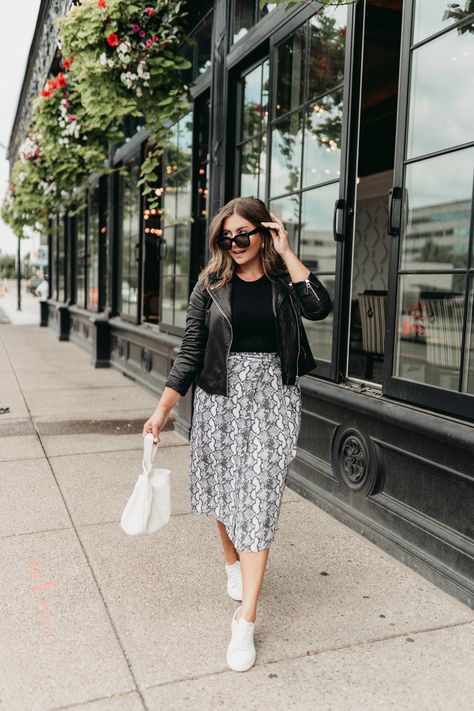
[(138, 91), (103, 59)]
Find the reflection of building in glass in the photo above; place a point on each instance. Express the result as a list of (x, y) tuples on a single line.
[(439, 233), (318, 248)]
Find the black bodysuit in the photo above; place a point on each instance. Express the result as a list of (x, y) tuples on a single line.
[(253, 320)]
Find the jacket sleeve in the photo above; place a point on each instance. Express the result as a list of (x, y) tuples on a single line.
[(191, 353), (315, 302)]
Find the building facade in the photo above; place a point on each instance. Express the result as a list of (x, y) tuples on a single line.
[(354, 124)]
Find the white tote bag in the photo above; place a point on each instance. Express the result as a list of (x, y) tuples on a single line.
[(149, 507)]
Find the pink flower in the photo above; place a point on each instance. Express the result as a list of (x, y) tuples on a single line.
[(136, 28), (149, 42), (142, 33), (155, 38), (45, 93), (149, 11), (101, 3)]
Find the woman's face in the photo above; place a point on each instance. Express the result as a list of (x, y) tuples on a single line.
[(242, 256)]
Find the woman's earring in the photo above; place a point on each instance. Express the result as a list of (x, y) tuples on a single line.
[(263, 244)]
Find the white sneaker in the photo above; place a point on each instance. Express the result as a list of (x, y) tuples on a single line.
[(234, 580), (241, 650)]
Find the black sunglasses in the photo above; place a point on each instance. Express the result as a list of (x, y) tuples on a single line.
[(241, 240)]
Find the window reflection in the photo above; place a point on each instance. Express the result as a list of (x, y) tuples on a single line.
[(429, 329), (93, 249), (288, 210), (289, 75), (287, 142), (468, 379), (322, 142), (252, 144), (438, 197), (81, 259), (442, 94), (318, 248), (130, 235), (327, 41), (434, 15)]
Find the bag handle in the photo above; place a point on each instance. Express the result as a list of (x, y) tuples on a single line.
[(149, 452)]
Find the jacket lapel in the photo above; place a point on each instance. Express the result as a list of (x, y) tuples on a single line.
[(222, 296)]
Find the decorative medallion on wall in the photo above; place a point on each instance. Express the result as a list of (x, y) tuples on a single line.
[(356, 460)]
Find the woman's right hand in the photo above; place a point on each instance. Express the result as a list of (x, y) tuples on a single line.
[(156, 423)]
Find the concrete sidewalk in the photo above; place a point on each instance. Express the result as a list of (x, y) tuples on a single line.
[(95, 620)]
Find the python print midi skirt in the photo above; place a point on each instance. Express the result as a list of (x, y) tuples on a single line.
[(240, 448)]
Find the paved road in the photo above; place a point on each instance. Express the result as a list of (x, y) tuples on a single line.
[(93, 620)]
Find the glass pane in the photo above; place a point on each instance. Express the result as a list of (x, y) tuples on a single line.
[(252, 168), (288, 210), (318, 248), (203, 38), (61, 260), (286, 154), (253, 110), (327, 32), (81, 259), (167, 262), (131, 220), (442, 94), (268, 7), (320, 332), (289, 79), (167, 289), (93, 251), (182, 236), (468, 384), (433, 15), (244, 17), (183, 194), (429, 329), (185, 140), (322, 142), (438, 211), (181, 300)]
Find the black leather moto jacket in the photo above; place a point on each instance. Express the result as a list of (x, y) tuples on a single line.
[(207, 339)]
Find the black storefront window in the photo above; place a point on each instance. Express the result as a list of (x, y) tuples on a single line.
[(130, 224), (81, 258), (252, 143), (433, 311), (176, 205), (246, 14), (305, 156), (61, 257)]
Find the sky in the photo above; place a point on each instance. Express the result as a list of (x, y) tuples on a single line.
[(17, 24)]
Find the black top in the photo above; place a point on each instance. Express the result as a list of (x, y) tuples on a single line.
[(253, 321)]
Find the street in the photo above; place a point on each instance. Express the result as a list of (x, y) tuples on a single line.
[(96, 620)]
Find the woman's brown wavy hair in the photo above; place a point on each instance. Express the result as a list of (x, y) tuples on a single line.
[(220, 261)]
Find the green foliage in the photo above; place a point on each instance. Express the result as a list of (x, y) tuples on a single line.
[(128, 54), (122, 59), (7, 266)]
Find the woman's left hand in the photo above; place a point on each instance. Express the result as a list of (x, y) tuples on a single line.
[(279, 234)]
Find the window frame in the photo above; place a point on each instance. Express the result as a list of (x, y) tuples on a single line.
[(419, 394)]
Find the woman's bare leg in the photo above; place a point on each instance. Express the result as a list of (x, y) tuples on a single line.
[(230, 553), (253, 570)]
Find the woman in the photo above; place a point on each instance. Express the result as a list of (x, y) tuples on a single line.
[(245, 347)]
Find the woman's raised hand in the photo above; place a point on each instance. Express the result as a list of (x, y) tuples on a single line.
[(280, 235)]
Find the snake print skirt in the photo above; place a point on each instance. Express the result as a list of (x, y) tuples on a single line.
[(240, 448)]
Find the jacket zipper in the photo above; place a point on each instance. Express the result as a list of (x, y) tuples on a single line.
[(309, 286), (297, 379), (231, 339)]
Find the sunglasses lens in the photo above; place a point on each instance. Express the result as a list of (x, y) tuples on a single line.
[(224, 243), (242, 240)]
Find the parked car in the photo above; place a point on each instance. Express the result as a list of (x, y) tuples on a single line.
[(32, 283)]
